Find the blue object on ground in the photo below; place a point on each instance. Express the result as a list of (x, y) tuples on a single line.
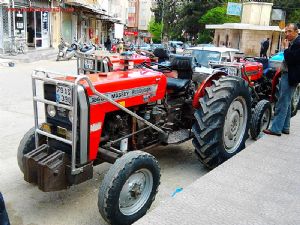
[(177, 191)]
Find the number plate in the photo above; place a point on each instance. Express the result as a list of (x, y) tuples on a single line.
[(231, 71), (89, 64), (64, 94)]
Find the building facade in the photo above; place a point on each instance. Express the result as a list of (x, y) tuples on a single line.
[(42, 23), (139, 16), (247, 35)]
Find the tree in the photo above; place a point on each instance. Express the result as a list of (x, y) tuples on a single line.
[(155, 29), (291, 7), (215, 15), (218, 16), (294, 16)]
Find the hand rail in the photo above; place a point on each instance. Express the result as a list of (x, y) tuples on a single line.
[(74, 85)]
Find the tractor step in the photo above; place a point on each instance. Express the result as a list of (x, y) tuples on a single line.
[(179, 136)]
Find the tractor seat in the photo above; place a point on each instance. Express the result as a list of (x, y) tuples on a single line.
[(183, 65), (177, 85)]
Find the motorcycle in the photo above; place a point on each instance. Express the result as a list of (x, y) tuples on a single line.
[(66, 51)]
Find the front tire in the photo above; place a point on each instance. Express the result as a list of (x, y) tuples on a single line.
[(295, 104), (261, 118), (222, 121), (27, 144), (129, 188)]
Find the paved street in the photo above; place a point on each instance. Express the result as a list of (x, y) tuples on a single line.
[(77, 205)]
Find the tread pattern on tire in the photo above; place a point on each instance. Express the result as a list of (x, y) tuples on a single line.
[(210, 117), (111, 179), (259, 110)]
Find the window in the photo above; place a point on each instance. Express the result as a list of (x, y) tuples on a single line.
[(131, 9)]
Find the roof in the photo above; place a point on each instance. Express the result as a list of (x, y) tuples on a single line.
[(242, 26), (214, 49)]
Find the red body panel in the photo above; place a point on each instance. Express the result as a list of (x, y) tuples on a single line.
[(275, 81), (135, 59), (129, 88), (201, 90), (253, 70)]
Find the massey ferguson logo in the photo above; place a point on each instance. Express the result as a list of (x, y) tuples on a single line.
[(147, 90)]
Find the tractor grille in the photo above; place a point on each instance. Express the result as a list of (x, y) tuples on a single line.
[(61, 118)]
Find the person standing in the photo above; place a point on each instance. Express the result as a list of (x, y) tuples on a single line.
[(107, 44), (289, 80), (264, 46)]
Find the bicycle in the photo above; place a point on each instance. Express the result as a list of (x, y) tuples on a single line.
[(17, 46)]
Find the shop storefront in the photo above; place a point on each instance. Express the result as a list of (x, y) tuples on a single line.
[(38, 25), (25, 21)]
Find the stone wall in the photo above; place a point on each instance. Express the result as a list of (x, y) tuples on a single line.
[(247, 41)]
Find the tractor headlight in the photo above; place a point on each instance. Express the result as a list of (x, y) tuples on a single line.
[(70, 115), (51, 110)]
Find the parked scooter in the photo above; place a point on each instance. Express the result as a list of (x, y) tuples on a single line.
[(66, 51), (86, 49)]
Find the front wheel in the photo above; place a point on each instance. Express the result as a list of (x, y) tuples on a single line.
[(27, 144), (222, 121), (129, 188), (261, 118), (295, 104)]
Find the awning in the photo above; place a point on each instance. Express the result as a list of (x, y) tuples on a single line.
[(4, 2), (95, 9)]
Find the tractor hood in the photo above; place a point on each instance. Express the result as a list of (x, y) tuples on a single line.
[(132, 87)]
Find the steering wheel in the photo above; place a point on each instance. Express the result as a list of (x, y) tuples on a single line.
[(162, 68)]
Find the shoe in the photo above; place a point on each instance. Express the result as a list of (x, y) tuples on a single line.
[(286, 132), (271, 132)]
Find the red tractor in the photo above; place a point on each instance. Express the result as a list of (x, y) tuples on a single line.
[(113, 116)]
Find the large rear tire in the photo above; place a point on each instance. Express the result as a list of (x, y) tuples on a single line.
[(129, 188), (261, 118), (222, 121), (27, 144)]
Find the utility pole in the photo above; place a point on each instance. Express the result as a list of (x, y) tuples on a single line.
[(162, 20)]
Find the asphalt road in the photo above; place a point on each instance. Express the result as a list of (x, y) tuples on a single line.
[(26, 204)]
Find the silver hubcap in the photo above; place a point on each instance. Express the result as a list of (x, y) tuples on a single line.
[(264, 122), (296, 97), (235, 124), (135, 192)]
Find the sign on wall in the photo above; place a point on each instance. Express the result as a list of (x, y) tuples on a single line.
[(119, 30), (234, 9)]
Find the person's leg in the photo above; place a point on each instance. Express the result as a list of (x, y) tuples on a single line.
[(261, 53), (3, 214), (286, 126), (282, 105)]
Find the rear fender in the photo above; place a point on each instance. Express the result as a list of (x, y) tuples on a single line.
[(207, 83), (274, 84)]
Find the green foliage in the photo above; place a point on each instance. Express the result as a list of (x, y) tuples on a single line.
[(181, 19), (215, 15), (155, 29), (218, 16), (294, 16), (291, 7), (206, 36)]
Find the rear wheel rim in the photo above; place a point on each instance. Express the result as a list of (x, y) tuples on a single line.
[(235, 124), (136, 192), (296, 97), (265, 120)]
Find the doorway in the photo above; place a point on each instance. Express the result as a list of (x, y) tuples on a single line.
[(38, 29)]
